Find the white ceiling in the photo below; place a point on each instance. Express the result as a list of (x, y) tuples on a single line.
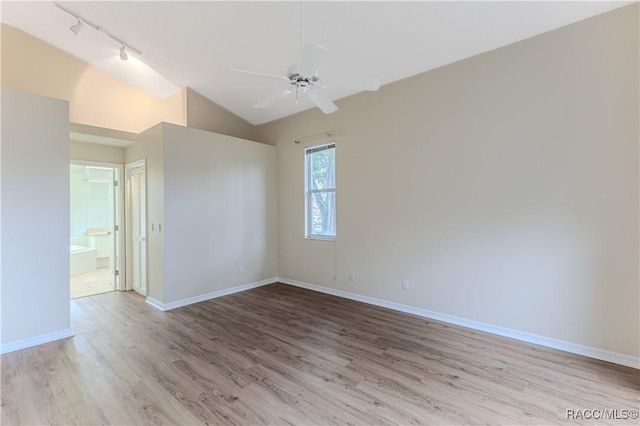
[(193, 43)]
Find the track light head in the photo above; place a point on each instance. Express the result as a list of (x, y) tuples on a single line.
[(82, 21), (77, 27)]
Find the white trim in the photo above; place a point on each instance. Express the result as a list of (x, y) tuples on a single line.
[(38, 340), (136, 163), (155, 303), (320, 238), (201, 298), (575, 348), (308, 195), (121, 233), (94, 164), (126, 204), (321, 145)]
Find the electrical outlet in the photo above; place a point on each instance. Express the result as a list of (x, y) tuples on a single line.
[(241, 269), (352, 276), (405, 284)]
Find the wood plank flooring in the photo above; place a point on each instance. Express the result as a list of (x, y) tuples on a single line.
[(283, 355)]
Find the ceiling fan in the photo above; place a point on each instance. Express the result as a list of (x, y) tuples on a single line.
[(305, 78)]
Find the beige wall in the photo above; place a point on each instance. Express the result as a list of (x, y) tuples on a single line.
[(215, 197), (220, 212), (149, 147), (504, 187), (206, 115), (99, 99), (35, 220), (96, 152), (95, 97)]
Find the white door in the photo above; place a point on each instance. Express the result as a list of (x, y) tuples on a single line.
[(137, 226), (112, 229), (115, 242)]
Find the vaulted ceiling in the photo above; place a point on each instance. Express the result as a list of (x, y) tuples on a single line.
[(192, 44)]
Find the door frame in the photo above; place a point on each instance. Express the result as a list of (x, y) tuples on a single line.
[(128, 167), (121, 266)]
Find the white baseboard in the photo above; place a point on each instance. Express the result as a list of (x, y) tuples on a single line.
[(155, 303), (34, 341), (601, 354), (201, 298)]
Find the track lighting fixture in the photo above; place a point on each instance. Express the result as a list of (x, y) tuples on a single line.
[(124, 46), (77, 27)]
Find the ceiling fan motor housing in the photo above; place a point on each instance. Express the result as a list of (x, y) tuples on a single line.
[(299, 80)]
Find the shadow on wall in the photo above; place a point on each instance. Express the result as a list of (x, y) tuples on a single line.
[(95, 97)]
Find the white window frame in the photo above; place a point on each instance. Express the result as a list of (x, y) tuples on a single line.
[(308, 195)]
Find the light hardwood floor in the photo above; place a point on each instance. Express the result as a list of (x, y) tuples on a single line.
[(283, 355)]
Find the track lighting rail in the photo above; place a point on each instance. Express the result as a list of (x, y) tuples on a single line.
[(76, 29)]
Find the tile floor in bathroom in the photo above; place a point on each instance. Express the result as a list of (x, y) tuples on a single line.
[(91, 283)]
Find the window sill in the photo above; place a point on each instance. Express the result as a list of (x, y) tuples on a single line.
[(319, 238)]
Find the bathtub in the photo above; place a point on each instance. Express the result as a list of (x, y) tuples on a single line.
[(83, 259)]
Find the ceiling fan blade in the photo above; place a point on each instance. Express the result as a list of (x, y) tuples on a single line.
[(312, 55), (273, 98), (322, 102), (356, 83), (258, 74)]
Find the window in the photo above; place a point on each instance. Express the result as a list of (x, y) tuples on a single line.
[(320, 191)]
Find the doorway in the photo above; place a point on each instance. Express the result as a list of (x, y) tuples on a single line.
[(136, 229), (95, 221)]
